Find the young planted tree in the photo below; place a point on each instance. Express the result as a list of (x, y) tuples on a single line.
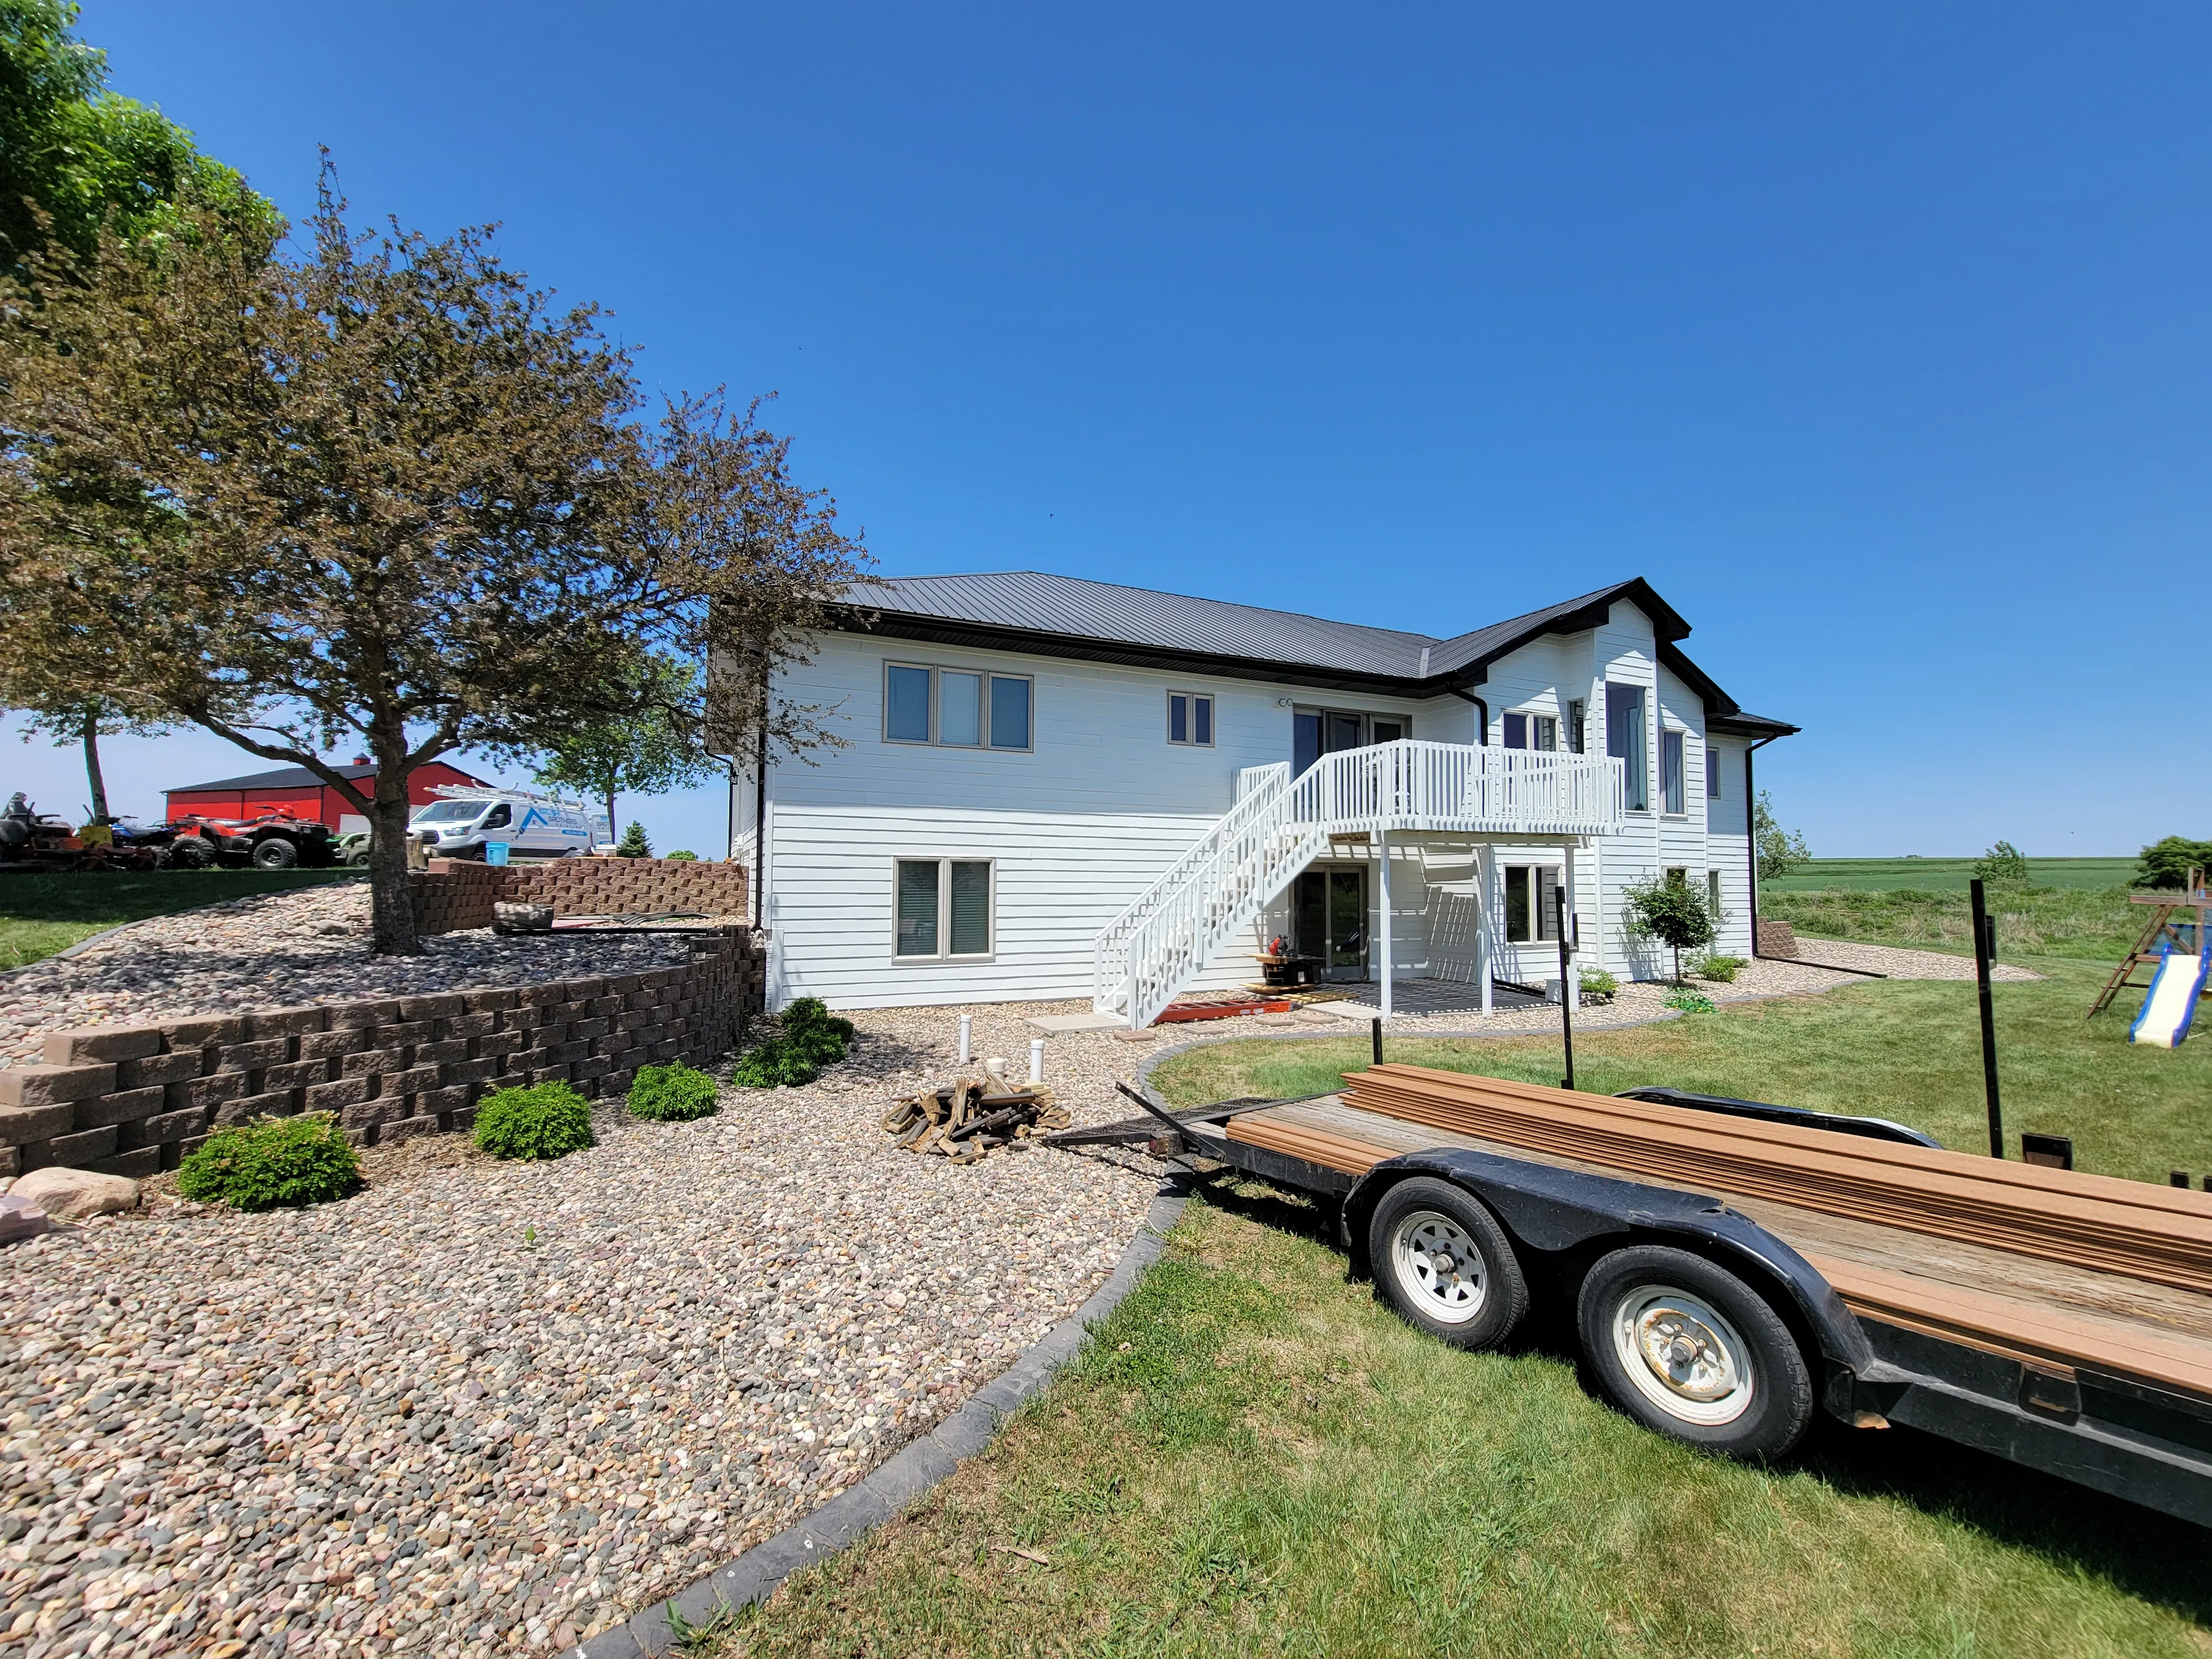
[(1675, 913), (655, 749), (380, 493)]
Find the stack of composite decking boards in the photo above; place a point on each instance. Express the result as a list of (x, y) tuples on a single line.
[(2158, 1234)]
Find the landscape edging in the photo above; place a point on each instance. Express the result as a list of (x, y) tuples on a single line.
[(887, 1490)]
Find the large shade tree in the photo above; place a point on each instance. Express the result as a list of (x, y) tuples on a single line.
[(77, 158), (377, 491)]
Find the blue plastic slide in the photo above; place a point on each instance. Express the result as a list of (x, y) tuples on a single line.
[(2172, 1000)]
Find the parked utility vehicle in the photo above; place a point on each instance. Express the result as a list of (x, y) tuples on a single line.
[(466, 821)]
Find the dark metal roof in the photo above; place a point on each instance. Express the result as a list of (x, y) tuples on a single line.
[(293, 777), (1105, 621)]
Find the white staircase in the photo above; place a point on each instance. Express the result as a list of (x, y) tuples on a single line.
[(1150, 953)]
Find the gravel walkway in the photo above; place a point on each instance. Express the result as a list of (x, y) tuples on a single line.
[(1895, 962), (283, 950), (484, 1407)]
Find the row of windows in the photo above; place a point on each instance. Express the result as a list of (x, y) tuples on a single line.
[(978, 709)]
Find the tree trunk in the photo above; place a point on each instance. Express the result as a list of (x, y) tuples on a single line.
[(614, 830), (391, 914), (92, 776)]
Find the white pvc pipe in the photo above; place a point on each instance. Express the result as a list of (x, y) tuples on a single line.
[(1036, 1059), (1382, 838), (967, 1033)]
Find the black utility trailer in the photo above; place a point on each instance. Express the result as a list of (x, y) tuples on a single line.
[(1705, 1319)]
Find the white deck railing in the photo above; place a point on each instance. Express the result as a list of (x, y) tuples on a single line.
[(1146, 956)]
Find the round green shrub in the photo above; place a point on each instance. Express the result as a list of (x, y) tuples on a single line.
[(1599, 988), (547, 1120), (271, 1163), (808, 1038), (682, 856), (672, 1094)]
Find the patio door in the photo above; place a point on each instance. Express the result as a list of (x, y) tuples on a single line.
[(1329, 920)]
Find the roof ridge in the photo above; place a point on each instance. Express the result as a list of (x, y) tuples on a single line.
[(1159, 592)]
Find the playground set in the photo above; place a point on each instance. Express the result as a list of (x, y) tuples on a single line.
[(2175, 952)]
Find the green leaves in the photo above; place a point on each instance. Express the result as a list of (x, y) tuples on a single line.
[(810, 1037), (547, 1120), (273, 1164), (672, 1094)]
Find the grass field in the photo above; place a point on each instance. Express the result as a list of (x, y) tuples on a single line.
[(41, 915), (1941, 875), (1253, 1457), (2084, 924)]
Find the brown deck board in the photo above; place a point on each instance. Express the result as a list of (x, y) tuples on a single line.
[(2033, 1308)]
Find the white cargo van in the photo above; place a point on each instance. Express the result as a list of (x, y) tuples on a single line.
[(467, 821)]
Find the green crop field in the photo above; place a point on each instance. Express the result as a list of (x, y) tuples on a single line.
[(1942, 875)]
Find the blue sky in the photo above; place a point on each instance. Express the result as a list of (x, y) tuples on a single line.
[(1875, 337)]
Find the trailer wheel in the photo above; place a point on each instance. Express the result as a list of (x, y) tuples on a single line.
[(275, 854), (1445, 1263), (1687, 1348)]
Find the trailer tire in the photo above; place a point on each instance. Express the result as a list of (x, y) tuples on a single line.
[(275, 852), (1685, 1348), (1444, 1264)]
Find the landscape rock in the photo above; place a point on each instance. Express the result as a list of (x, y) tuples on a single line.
[(20, 1218), (68, 1194)]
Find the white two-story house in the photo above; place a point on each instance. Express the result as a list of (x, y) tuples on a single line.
[(1055, 789)]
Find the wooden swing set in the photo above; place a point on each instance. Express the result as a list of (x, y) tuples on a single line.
[(2161, 934)]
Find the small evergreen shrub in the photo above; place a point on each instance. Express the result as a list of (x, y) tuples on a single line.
[(547, 1120), (1715, 966), (1599, 988), (808, 1038), (272, 1163), (635, 843), (672, 1094), (1690, 1002)]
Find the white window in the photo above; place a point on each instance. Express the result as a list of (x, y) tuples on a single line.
[(956, 708), (1574, 724), (942, 909), (1524, 731), (1190, 719), (1712, 772), (1532, 903), (1673, 796), (1713, 895)]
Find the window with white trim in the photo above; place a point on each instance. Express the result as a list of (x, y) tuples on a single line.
[(1626, 742), (1532, 904), (1190, 719), (1713, 895), (1526, 730), (1712, 772), (942, 909), (956, 708), (1673, 796)]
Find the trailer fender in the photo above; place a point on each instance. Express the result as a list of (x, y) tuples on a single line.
[(1550, 1210)]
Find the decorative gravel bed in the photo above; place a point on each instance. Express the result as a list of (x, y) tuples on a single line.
[(283, 950), (1896, 962), (484, 1407)]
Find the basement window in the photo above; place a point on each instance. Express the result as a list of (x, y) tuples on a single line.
[(942, 909), (1532, 904), (956, 708), (1190, 719)]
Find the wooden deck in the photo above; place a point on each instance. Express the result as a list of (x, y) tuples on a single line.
[(2052, 1313)]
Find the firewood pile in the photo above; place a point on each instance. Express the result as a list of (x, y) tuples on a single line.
[(965, 1120)]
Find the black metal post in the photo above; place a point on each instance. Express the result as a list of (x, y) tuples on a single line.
[(1566, 986), (1986, 950), (1374, 1026)]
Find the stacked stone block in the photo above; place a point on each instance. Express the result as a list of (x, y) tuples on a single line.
[(455, 893), (134, 1100)]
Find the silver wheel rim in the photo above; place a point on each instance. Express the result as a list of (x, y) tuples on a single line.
[(1682, 1355), (1438, 1266)]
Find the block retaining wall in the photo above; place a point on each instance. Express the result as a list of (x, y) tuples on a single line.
[(457, 893), (133, 1100)]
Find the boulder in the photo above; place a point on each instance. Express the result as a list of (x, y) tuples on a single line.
[(20, 1217), (69, 1194)]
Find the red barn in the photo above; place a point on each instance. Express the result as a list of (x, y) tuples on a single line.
[(296, 790)]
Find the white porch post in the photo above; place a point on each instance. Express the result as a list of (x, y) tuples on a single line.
[(1482, 879), (1383, 841)]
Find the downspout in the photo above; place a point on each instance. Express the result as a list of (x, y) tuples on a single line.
[(1751, 832), (760, 822), (1482, 713)]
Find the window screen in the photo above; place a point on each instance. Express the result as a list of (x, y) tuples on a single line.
[(959, 707), (917, 907), (1010, 712), (1543, 732), (1178, 718), (1674, 797), (1624, 741), (1202, 719), (971, 909), (906, 704)]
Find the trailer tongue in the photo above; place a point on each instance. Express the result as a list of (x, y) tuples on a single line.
[(1733, 1270)]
